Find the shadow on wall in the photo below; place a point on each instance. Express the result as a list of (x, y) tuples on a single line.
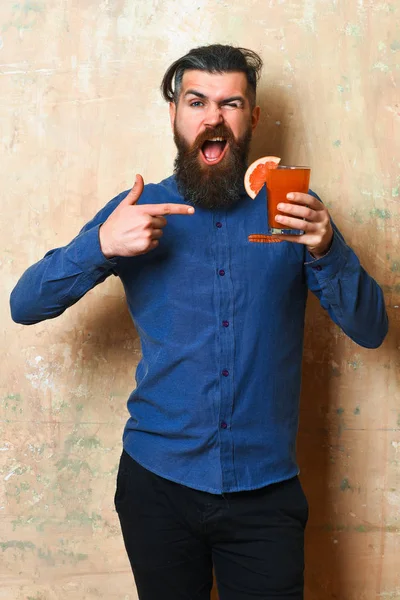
[(324, 576), (320, 446), (273, 134)]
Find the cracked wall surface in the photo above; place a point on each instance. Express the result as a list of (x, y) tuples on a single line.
[(80, 114)]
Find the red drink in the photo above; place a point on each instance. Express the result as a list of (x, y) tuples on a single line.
[(280, 182)]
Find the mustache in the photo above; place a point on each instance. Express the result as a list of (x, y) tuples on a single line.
[(213, 132)]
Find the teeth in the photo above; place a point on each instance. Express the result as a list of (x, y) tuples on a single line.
[(217, 139)]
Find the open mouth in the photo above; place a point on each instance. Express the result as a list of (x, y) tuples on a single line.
[(214, 150)]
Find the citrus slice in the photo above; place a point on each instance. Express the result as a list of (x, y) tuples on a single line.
[(254, 177)]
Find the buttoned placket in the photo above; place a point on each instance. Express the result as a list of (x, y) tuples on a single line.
[(226, 341)]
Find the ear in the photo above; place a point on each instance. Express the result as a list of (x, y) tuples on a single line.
[(255, 117), (172, 114)]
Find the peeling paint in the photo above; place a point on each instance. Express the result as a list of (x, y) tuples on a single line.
[(356, 363), (380, 66), (353, 30), (79, 85), (16, 544), (395, 266), (345, 485), (88, 442), (380, 213), (74, 465), (84, 519)]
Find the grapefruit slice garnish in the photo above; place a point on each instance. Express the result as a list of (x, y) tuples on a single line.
[(254, 177)]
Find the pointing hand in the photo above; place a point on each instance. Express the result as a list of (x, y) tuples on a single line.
[(131, 230)]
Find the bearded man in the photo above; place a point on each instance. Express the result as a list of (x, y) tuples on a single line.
[(208, 479)]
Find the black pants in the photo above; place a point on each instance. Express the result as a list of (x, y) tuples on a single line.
[(175, 536)]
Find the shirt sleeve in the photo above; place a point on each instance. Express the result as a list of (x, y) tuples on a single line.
[(64, 275), (352, 298)]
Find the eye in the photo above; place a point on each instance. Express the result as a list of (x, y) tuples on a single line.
[(232, 105), (196, 104)]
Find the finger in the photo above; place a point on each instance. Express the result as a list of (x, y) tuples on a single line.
[(156, 234), (156, 210), (158, 222), (305, 199), (297, 239), (293, 223), (135, 192), (153, 244), (297, 210)]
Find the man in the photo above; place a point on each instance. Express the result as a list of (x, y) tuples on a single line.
[(208, 475)]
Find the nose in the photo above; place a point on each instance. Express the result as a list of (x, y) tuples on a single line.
[(213, 116)]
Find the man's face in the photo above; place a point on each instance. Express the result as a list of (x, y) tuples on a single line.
[(213, 123)]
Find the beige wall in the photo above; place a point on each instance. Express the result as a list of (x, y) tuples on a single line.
[(80, 114)]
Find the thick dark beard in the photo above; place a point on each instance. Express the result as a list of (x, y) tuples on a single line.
[(214, 186)]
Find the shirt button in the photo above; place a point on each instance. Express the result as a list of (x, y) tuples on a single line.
[(225, 323), (225, 372), (221, 272), (318, 268), (219, 225), (224, 425)]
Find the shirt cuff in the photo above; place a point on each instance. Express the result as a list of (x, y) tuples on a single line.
[(91, 258), (327, 266)]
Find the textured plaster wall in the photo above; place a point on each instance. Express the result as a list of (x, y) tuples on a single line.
[(80, 114)]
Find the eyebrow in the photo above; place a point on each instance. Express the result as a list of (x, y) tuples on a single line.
[(224, 101)]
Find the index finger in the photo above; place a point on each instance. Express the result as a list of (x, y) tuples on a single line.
[(156, 210), (305, 199)]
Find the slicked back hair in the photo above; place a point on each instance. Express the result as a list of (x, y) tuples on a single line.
[(215, 58)]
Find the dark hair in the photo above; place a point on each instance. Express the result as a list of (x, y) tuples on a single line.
[(215, 58)]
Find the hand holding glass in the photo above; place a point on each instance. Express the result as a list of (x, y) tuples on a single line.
[(280, 182)]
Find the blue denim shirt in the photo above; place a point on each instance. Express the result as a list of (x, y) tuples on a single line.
[(221, 323)]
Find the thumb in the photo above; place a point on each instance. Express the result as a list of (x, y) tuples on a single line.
[(135, 192)]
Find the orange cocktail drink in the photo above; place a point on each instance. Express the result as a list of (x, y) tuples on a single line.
[(280, 181)]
